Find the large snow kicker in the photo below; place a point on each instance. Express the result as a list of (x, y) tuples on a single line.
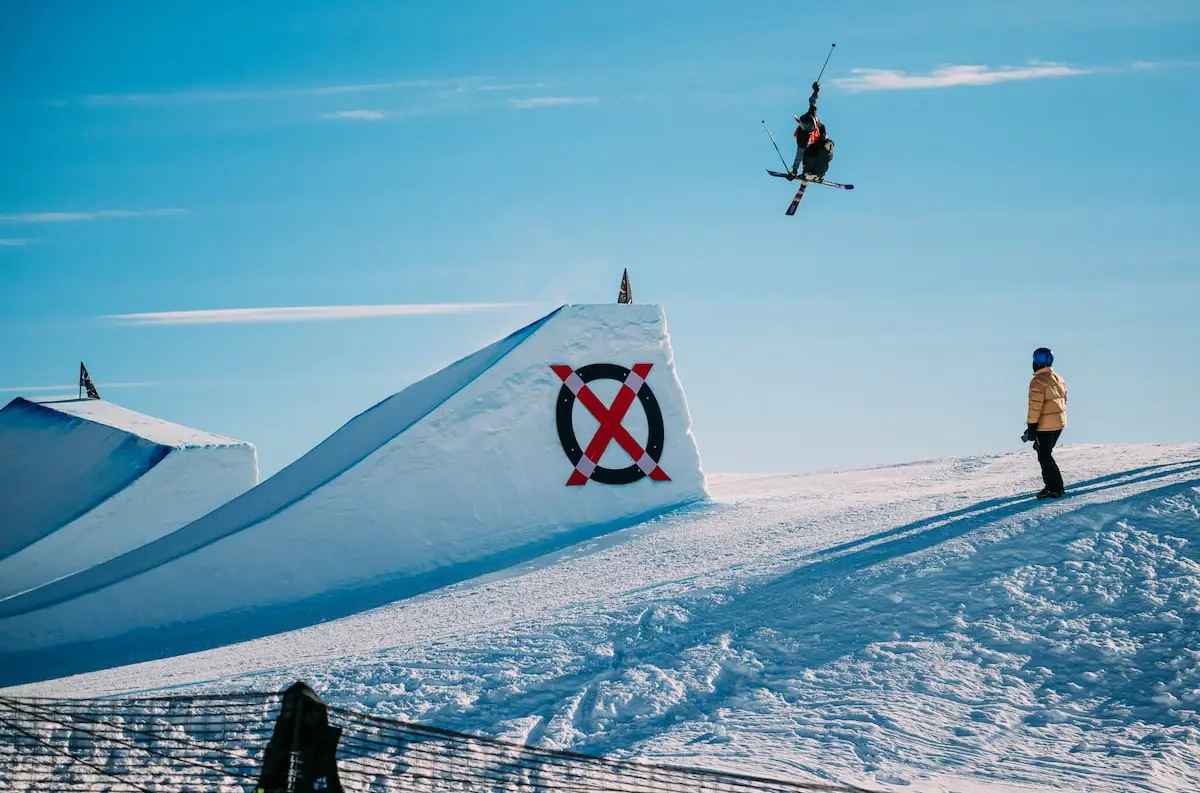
[(573, 426), (84, 480)]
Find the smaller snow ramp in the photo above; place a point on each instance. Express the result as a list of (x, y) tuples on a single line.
[(570, 427), (84, 480)]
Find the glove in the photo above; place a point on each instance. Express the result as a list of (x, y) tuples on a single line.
[(816, 86), (1030, 434)]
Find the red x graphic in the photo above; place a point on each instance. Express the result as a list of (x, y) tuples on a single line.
[(611, 429)]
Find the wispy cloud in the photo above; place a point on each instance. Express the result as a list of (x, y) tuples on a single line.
[(302, 313), (12, 243), (394, 114), (553, 101), (44, 389), (950, 76), (355, 115), (262, 94), (1174, 63), (485, 88), (76, 217), (364, 88), (455, 101), (511, 87)]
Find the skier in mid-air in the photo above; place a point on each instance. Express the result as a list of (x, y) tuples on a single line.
[(814, 148)]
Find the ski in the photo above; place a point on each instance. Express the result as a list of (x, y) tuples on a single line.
[(838, 185), (791, 210), (825, 182)]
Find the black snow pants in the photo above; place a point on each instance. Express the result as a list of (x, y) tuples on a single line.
[(816, 159), (1051, 476)]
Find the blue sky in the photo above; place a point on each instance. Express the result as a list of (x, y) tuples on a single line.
[(1026, 176)]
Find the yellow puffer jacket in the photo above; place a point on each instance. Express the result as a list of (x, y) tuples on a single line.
[(1047, 400)]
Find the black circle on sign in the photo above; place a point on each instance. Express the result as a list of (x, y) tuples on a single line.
[(566, 426)]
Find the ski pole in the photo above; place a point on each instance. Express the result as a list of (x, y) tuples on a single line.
[(776, 145), (827, 57)]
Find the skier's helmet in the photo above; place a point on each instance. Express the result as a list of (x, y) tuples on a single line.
[(1042, 357), (806, 123)]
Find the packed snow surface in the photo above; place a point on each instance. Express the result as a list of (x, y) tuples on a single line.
[(926, 627), (84, 480), (459, 474)]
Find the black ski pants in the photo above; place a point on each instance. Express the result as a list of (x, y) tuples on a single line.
[(814, 158), (1051, 476)]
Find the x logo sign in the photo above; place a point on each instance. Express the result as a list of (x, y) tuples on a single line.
[(633, 386)]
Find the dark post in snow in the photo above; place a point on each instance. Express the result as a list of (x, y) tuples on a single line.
[(301, 756), (85, 382), (626, 294)]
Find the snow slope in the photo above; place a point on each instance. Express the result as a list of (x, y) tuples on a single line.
[(82, 481), (926, 627), (457, 475)]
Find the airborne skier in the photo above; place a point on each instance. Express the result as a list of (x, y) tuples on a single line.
[(814, 147)]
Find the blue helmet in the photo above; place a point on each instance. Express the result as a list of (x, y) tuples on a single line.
[(1043, 357)]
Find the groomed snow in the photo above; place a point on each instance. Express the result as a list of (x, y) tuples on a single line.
[(82, 481), (459, 474), (926, 627), (154, 430)]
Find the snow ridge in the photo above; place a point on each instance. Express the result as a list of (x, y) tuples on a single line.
[(461, 474), (82, 481)]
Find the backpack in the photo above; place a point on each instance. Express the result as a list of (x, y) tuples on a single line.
[(819, 155)]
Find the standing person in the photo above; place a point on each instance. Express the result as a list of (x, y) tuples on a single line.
[(1047, 418)]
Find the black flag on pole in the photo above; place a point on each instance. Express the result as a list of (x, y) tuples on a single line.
[(85, 382), (626, 294)]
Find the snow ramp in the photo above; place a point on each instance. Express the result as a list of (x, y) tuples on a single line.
[(573, 426), (84, 480)]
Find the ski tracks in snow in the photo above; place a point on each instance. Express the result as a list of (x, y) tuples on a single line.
[(1007, 641), (916, 627)]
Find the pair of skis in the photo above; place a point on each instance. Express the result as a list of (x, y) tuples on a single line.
[(804, 183)]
